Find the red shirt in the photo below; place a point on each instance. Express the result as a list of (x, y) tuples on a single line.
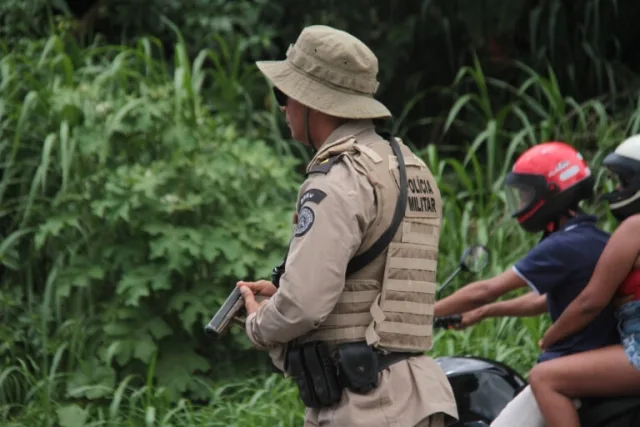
[(631, 285)]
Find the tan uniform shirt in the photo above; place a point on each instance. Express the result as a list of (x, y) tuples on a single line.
[(330, 228)]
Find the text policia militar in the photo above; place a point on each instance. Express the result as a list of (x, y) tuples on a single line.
[(418, 200)]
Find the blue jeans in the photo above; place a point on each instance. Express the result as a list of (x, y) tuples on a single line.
[(629, 328)]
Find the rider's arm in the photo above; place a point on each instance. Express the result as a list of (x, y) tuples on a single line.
[(543, 268), (530, 304), (615, 263), (479, 293)]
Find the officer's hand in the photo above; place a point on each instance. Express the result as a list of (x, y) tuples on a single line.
[(261, 287), (250, 303), (470, 318)]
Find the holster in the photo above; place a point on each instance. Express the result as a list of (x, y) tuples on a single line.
[(277, 272)]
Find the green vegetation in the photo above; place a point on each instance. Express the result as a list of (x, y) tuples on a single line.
[(142, 178)]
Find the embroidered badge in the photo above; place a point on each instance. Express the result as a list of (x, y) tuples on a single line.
[(314, 195), (305, 221)]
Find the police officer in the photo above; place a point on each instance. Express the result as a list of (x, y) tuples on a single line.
[(352, 315)]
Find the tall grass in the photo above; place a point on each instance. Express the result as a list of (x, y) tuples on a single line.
[(260, 401), (474, 203), (134, 190)]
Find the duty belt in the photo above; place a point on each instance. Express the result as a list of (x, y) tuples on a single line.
[(386, 360), (321, 377)]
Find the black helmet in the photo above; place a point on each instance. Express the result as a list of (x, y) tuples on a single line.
[(624, 164)]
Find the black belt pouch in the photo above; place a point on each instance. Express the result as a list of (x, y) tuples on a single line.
[(358, 367)]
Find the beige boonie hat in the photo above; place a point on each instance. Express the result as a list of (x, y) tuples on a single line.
[(330, 71)]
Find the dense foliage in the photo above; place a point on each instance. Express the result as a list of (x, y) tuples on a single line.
[(145, 170)]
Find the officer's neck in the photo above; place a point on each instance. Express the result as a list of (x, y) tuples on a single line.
[(322, 128)]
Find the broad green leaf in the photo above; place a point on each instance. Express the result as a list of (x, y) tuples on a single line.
[(72, 416)]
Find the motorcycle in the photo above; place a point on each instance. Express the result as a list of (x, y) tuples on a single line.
[(483, 387)]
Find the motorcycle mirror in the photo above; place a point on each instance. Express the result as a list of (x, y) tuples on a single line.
[(474, 259)]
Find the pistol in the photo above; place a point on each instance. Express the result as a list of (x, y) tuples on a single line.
[(232, 311)]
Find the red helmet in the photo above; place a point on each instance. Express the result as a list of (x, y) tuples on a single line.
[(547, 181)]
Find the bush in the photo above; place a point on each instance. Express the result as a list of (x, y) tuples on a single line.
[(129, 211)]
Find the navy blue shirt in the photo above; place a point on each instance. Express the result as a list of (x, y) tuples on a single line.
[(560, 266)]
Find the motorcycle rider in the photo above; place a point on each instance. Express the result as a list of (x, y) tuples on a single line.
[(544, 190), (613, 370)]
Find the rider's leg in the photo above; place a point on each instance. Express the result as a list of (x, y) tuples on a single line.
[(603, 372)]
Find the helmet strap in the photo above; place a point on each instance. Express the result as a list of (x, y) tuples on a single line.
[(307, 129), (554, 225), (551, 228)]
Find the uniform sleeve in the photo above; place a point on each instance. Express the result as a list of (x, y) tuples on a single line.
[(545, 266), (333, 212)]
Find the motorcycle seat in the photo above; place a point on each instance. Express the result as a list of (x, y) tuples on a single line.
[(595, 412)]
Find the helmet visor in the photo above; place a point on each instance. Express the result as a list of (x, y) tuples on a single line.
[(623, 172), (519, 198), (619, 179)]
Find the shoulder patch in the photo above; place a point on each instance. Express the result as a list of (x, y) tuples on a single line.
[(305, 221), (314, 195), (325, 166)]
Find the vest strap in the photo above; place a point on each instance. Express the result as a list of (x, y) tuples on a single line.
[(360, 261)]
